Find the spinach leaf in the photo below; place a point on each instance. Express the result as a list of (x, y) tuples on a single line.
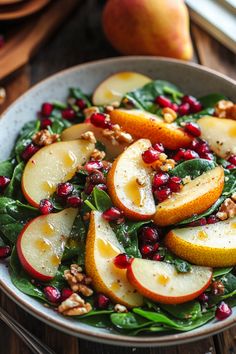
[(229, 282), (25, 137), (128, 320), (192, 168), (13, 190), (217, 272), (181, 265), (6, 168), (97, 319), (188, 310), (211, 99), (144, 97), (97, 200), (194, 117), (78, 94), (59, 124)]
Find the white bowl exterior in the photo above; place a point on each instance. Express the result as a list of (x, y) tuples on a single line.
[(192, 79)]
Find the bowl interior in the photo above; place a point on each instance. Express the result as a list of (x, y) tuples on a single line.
[(191, 79)]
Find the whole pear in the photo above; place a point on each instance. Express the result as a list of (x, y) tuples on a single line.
[(148, 27)]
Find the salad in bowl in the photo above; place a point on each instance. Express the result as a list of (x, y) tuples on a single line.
[(119, 209)]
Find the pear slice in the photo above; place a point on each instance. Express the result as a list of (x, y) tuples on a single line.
[(159, 281), (129, 183), (211, 245), (52, 165), (75, 132), (115, 86), (102, 247), (41, 243), (220, 133), (194, 198)]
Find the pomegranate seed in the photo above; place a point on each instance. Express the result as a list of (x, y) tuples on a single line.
[(230, 167), (184, 109), (203, 297), (65, 293), (162, 194), (200, 222), (159, 147), (91, 166), (68, 114), (101, 302), (101, 186), (190, 155), (122, 261), (74, 201), (202, 148), (192, 128), (149, 235), (212, 219), (195, 107), (112, 214), (52, 294), (64, 189), (163, 101), (146, 250), (179, 155), (2, 41), (175, 184), (160, 179), (150, 155), (232, 159), (157, 257), (46, 109), (46, 122), (88, 188), (45, 206), (5, 251), (195, 145), (81, 104), (100, 121), (188, 99), (29, 151), (223, 311), (174, 106), (156, 247), (4, 181), (96, 177), (207, 156)]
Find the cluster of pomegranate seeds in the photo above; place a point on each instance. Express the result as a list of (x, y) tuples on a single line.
[(64, 189), (100, 121), (65, 293), (4, 181), (162, 193), (95, 177), (74, 201), (194, 106), (81, 104), (29, 151), (200, 222), (101, 302), (92, 166), (212, 219), (175, 184), (46, 109), (192, 128), (203, 298), (183, 109), (52, 294), (5, 251), (68, 114), (223, 311), (163, 185), (45, 206), (45, 123), (232, 161), (113, 214), (160, 179), (122, 261), (149, 235), (197, 148), (151, 155), (149, 243), (188, 105)]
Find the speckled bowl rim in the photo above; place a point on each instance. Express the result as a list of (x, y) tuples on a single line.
[(93, 334)]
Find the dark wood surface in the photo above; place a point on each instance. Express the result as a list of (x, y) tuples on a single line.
[(79, 40)]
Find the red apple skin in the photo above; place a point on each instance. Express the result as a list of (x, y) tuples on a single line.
[(171, 300), (27, 197), (25, 264)]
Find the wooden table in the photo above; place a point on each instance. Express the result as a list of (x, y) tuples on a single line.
[(81, 40)]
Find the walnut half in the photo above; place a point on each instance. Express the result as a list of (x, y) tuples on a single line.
[(74, 306)]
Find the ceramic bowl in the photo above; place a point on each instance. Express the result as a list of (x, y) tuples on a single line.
[(192, 79)]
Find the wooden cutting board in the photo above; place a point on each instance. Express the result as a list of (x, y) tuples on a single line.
[(28, 36)]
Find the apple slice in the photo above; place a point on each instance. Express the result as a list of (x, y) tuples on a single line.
[(101, 248), (141, 124), (41, 243), (115, 86), (75, 132), (51, 165), (194, 198), (211, 245), (129, 183), (159, 281), (220, 133)]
